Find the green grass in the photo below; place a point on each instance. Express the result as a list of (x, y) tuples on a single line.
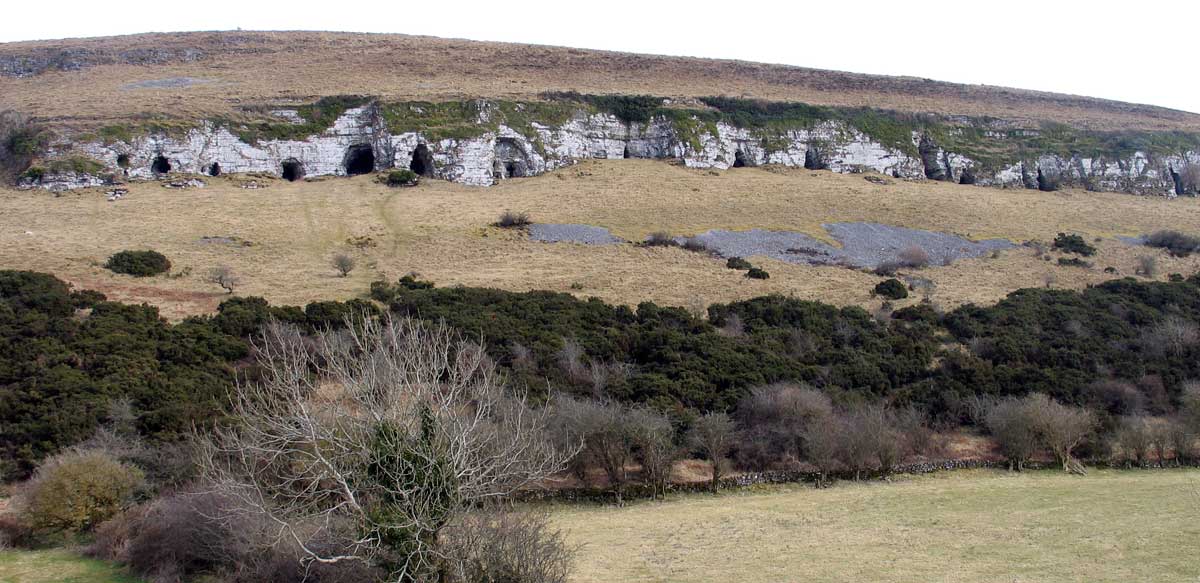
[(58, 566), (964, 526)]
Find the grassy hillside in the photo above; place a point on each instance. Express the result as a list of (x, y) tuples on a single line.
[(90, 81), (964, 527), (440, 230)]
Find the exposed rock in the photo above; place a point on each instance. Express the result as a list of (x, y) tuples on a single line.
[(359, 142)]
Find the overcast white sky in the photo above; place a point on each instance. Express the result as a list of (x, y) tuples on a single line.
[(1142, 51)]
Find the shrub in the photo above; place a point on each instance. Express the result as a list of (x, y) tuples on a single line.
[(1074, 262), (891, 289), (1175, 278), (1176, 243), (888, 268), (343, 263), (74, 492), (513, 220), (737, 263), (695, 245), (913, 256), (1073, 244), (400, 177), (1147, 266), (506, 546), (224, 276), (660, 239), (757, 273), (20, 141), (139, 263)]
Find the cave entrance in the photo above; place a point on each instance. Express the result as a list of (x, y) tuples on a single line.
[(160, 165), (360, 159), (968, 177), (293, 170), (739, 159), (214, 169), (422, 161), (813, 160), (625, 154), (123, 160), (511, 159)]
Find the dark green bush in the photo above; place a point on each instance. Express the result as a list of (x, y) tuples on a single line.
[(738, 263), (758, 273), (1176, 243), (139, 263), (891, 289), (1074, 262), (660, 239), (400, 177), (1073, 244)]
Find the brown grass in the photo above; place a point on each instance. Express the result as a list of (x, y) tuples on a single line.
[(439, 230), (246, 67)]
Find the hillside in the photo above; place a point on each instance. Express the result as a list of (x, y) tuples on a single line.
[(79, 80)]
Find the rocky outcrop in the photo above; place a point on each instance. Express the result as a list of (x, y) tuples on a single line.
[(359, 140)]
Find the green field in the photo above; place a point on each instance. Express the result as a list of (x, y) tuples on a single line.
[(962, 527), (58, 566)]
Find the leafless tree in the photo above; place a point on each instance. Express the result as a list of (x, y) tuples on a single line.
[(733, 327), (776, 415), (655, 441), (712, 434), (1014, 424), (822, 446), (1173, 335), (1147, 266), (571, 361), (1135, 439), (603, 428), (377, 435), (1061, 428), (913, 256), (343, 263), (224, 276)]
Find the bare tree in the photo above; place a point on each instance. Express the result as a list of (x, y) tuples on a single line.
[(1061, 428), (224, 276), (377, 435), (656, 449), (775, 417), (822, 446), (607, 436), (1135, 439), (343, 263), (713, 435), (1014, 424)]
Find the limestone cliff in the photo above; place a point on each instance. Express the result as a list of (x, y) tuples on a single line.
[(480, 142)]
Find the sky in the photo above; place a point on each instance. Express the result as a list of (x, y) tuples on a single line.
[(1142, 52)]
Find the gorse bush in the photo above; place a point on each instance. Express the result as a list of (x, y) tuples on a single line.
[(737, 263), (74, 492), (400, 177), (891, 289), (1073, 244), (1074, 262), (1176, 243), (757, 273), (138, 263), (660, 239)]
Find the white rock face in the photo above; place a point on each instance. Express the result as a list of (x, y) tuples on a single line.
[(504, 152)]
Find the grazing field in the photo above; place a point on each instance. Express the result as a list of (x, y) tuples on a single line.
[(280, 239), (961, 527), (57, 566)]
